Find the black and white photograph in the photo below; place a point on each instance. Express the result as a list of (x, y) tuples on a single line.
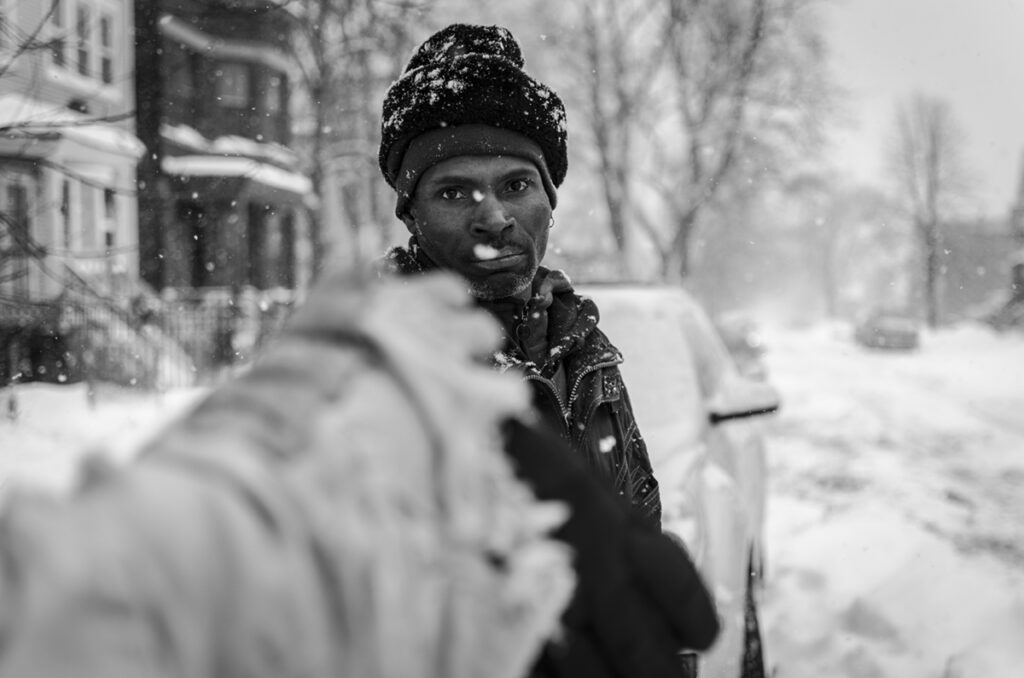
[(477, 339)]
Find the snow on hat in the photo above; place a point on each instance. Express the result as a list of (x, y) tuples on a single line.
[(464, 92)]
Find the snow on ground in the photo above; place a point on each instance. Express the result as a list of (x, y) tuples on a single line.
[(896, 511), (56, 425), (896, 514)]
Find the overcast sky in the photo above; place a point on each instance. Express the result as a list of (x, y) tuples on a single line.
[(969, 52)]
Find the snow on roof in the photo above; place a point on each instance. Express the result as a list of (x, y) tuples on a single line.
[(225, 166), (21, 115), (185, 135), (189, 137), (177, 28)]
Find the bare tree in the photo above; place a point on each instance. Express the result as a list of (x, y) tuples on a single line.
[(842, 228), (21, 43), (931, 178), (619, 51), (683, 97), (748, 84), (16, 246), (348, 51)]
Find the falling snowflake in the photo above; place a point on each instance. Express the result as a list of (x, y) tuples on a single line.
[(483, 252)]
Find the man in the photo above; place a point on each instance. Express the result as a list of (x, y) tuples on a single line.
[(475, 149)]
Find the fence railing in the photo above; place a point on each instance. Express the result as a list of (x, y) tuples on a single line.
[(176, 343)]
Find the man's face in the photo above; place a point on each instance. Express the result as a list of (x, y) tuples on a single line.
[(484, 217)]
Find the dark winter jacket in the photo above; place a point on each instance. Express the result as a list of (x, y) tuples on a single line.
[(553, 340)]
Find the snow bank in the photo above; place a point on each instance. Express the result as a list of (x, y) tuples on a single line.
[(56, 426)]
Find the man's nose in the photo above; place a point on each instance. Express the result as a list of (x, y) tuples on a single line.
[(490, 217)]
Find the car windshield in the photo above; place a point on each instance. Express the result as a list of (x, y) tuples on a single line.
[(659, 366)]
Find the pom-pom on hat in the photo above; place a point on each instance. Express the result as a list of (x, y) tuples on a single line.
[(464, 92)]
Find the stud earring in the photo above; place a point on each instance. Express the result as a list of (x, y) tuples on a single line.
[(551, 222)]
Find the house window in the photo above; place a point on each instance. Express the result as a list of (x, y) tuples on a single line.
[(180, 80), (232, 85), (275, 108), (89, 218), (11, 34), (195, 249), (65, 212), (16, 214), (273, 94), (58, 44), (286, 263), (106, 50), (259, 222), (180, 85), (83, 40), (15, 235), (6, 26), (109, 217)]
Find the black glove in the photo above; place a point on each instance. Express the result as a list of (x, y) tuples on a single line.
[(639, 599)]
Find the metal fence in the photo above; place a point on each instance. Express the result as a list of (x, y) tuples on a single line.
[(169, 344)]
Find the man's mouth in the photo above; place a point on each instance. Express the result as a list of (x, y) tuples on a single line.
[(497, 258)]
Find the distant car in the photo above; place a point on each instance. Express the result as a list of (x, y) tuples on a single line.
[(888, 330), (700, 419)]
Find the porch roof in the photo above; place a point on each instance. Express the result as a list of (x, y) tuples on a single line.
[(234, 166), (25, 117)]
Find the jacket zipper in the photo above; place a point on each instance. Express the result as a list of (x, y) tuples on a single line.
[(579, 378), (574, 393), (562, 407)]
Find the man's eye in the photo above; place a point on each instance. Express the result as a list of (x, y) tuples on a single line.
[(452, 194), (519, 185)]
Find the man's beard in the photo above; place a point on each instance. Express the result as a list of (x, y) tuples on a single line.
[(488, 291)]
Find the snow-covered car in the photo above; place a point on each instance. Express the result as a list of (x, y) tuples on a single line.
[(701, 420), (888, 330)]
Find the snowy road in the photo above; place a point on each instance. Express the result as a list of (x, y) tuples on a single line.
[(896, 514)]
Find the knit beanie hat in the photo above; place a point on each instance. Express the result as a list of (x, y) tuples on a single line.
[(464, 92)]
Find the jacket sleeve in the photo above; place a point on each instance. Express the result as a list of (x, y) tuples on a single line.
[(639, 598), (644, 491)]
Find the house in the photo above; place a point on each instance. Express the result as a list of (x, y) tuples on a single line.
[(68, 154), (68, 157), (223, 204)]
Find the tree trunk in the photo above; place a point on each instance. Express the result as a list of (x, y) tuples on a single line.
[(677, 263), (933, 275), (318, 174)]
